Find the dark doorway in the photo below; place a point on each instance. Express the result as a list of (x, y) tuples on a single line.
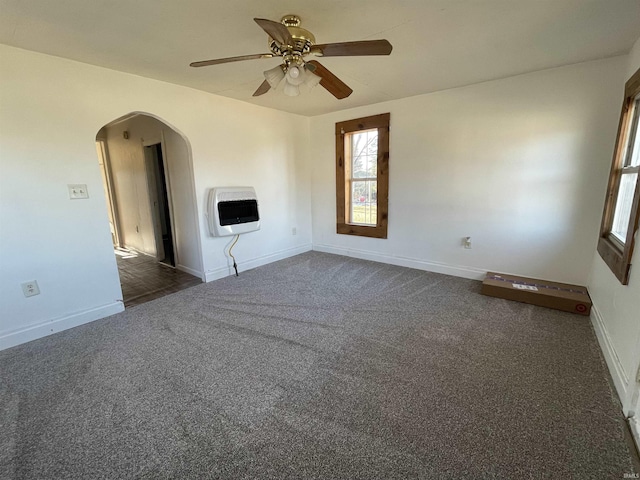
[(160, 204)]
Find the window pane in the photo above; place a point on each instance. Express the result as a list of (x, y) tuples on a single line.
[(364, 207), (364, 154), (635, 155), (635, 152), (623, 206)]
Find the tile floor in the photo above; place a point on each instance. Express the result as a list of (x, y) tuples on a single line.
[(143, 279)]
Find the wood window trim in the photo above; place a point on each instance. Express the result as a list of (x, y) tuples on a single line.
[(615, 255), (381, 122)]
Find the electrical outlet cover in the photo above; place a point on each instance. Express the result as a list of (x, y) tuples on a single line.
[(78, 190), (30, 288)]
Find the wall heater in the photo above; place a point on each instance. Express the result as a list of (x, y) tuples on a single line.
[(232, 210)]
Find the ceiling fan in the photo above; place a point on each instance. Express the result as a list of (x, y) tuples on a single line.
[(294, 44)]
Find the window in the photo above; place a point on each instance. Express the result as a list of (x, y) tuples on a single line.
[(620, 217), (362, 176)]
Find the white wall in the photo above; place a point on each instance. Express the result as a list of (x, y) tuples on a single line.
[(127, 161), (515, 163), (616, 316), (128, 170), (268, 150), (50, 111), (184, 202)]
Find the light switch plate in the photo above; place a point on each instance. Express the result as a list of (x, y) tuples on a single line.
[(78, 190)]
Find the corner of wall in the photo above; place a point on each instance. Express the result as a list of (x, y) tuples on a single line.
[(615, 307)]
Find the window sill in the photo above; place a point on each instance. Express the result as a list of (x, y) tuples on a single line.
[(378, 231), (613, 256)]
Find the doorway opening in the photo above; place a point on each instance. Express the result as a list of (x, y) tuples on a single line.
[(151, 206), (159, 198)]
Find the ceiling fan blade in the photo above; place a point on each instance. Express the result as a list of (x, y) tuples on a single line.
[(275, 30), (218, 61), (346, 49), (333, 84), (262, 89)]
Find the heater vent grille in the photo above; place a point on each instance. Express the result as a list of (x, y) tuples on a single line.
[(232, 211)]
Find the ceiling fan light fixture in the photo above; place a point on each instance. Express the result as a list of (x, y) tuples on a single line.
[(295, 75), (291, 90), (294, 43), (274, 76), (294, 71), (311, 80)]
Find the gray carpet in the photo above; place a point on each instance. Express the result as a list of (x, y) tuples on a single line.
[(317, 366)]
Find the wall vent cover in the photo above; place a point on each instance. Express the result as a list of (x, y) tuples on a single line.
[(232, 210)]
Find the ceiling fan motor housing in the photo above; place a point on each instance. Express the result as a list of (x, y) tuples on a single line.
[(302, 39)]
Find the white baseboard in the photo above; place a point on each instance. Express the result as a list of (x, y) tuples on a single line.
[(437, 267), (225, 271), (620, 379), (634, 424), (190, 271), (17, 337)]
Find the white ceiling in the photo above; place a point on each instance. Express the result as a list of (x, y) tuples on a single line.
[(437, 44)]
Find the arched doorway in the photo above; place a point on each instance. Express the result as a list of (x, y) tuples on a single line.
[(148, 182)]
